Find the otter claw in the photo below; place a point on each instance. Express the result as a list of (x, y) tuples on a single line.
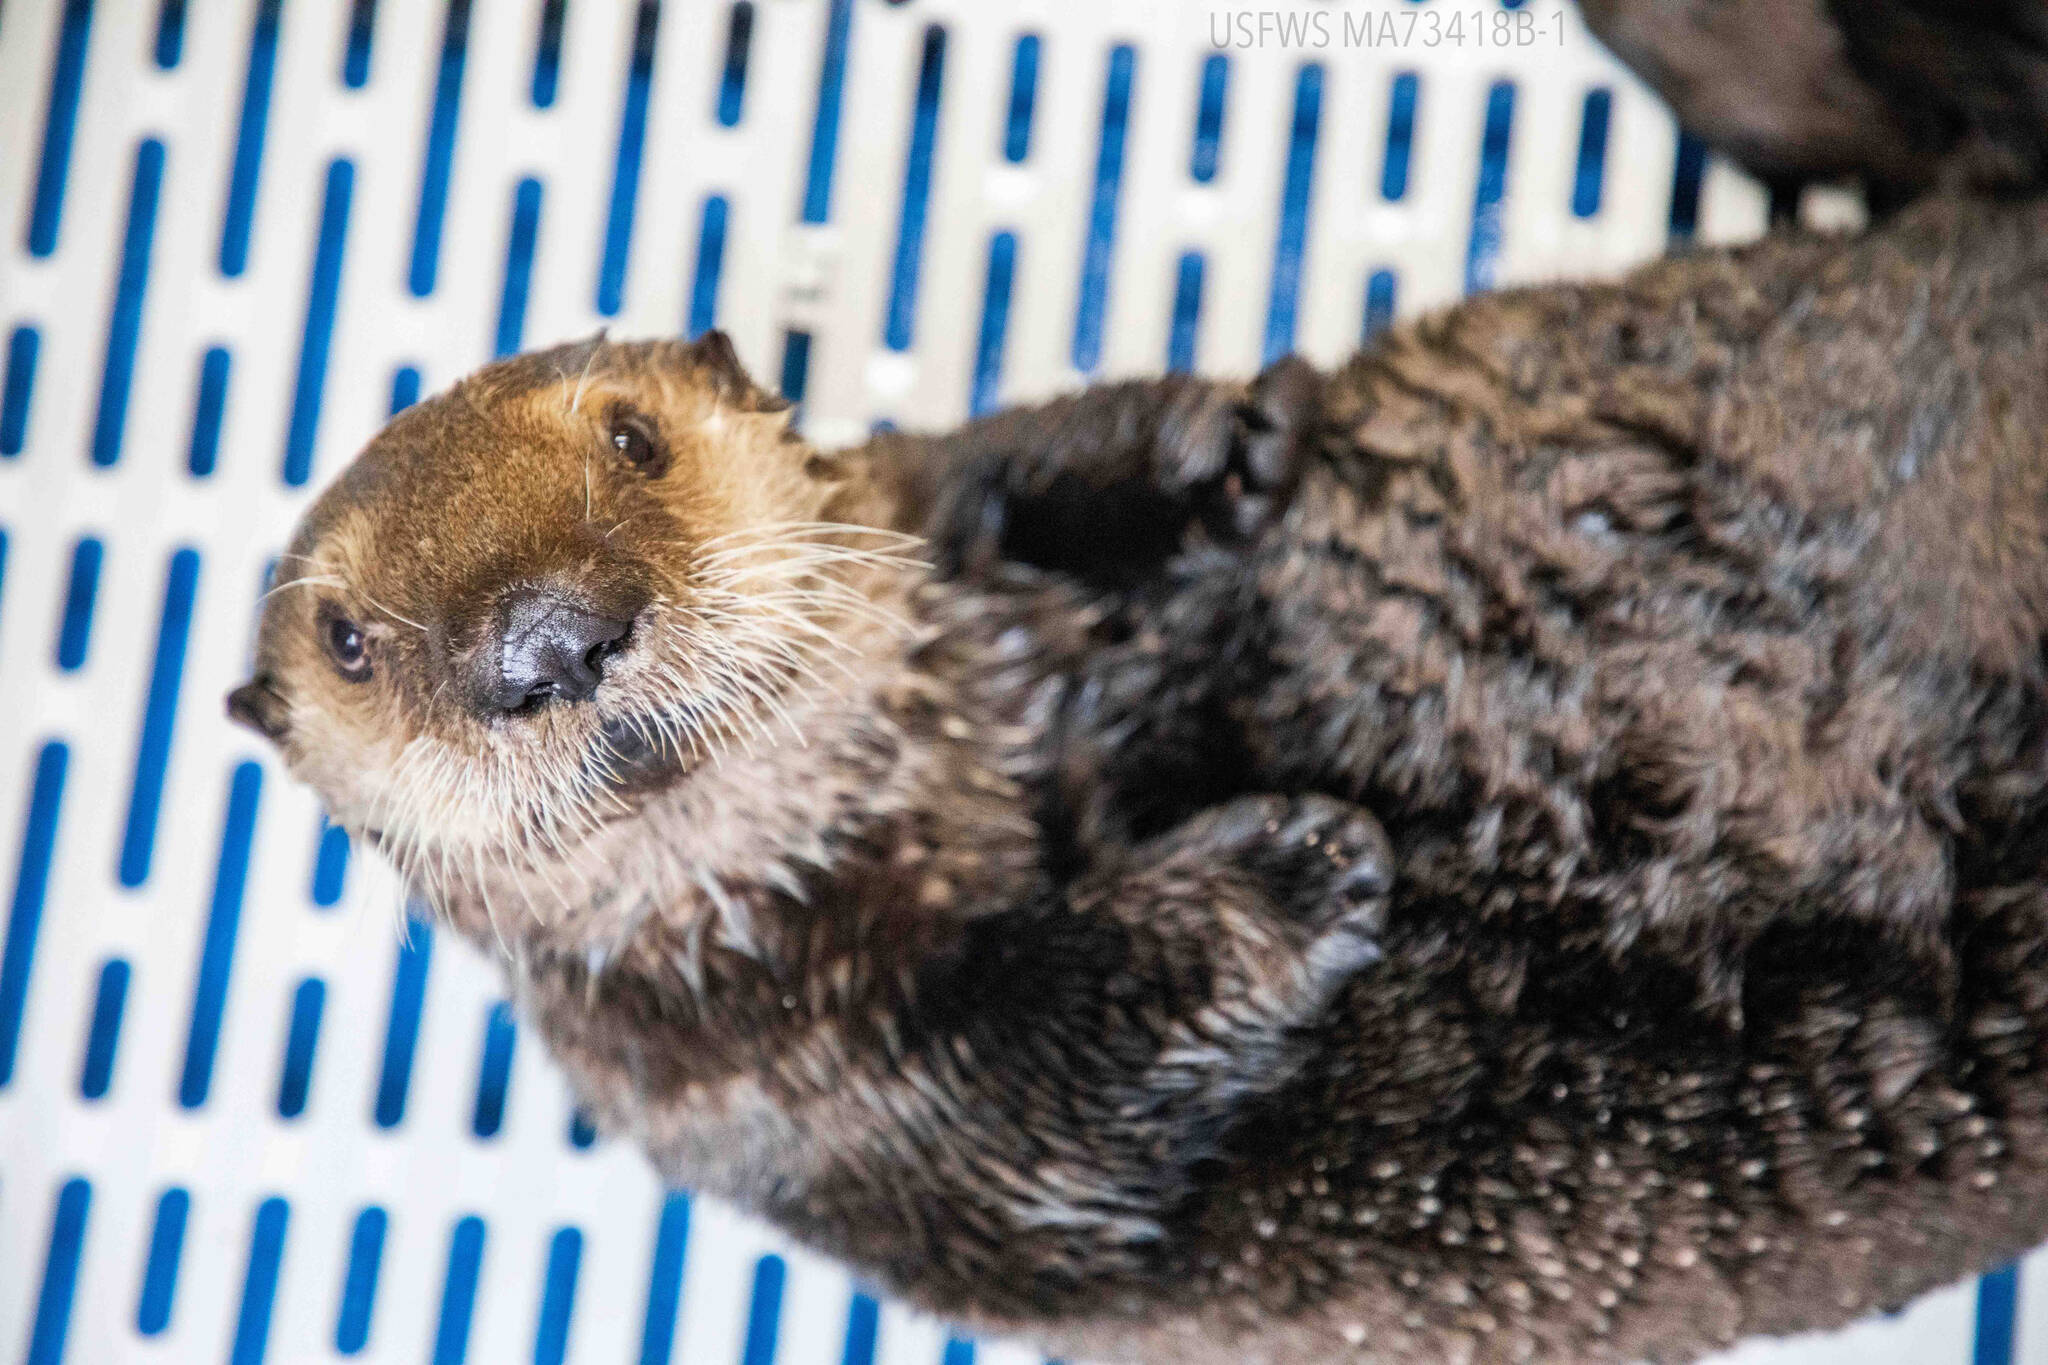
[(1327, 862), (1335, 862), (1240, 460)]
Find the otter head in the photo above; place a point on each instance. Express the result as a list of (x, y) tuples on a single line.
[(568, 579)]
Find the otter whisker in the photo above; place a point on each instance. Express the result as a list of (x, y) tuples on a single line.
[(734, 663), (759, 559), (720, 687), (483, 891), (733, 917), (792, 652), (434, 697), (853, 606), (795, 620), (801, 527), (750, 687), (303, 583), (407, 620), (840, 599), (597, 344), (805, 552), (626, 521)]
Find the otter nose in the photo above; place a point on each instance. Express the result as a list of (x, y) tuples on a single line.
[(549, 645)]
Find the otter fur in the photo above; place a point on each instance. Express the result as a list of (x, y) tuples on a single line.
[(1899, 97), (1527, 846)]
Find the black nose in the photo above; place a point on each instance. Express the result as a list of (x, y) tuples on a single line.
[(549, 645)]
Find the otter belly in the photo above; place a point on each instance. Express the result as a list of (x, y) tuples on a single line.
[(1685, 637)]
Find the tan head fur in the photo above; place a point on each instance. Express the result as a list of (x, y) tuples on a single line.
[(573, 576)]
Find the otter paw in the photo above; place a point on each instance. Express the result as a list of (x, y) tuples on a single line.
[(1326, 862), (1238, 455)]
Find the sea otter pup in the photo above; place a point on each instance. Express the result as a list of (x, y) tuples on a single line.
[(1528, 846)]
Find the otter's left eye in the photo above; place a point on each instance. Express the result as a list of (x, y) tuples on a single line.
[(637, 442), (348, 647)]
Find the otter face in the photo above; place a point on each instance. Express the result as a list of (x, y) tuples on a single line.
[(567, 580)]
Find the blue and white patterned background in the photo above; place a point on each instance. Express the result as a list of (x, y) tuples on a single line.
[(243, 1116)]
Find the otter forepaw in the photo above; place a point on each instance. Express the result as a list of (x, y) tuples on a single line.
[(1238, 455), (1328, 864), (1106, 485), (1286, 898)]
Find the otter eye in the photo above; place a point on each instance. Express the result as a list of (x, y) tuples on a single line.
[(637, 442), (347, 646)]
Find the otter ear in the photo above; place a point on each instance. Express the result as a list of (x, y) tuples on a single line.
[(715, 352), (260, 706)]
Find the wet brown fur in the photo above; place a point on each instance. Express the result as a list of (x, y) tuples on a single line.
[(1682, 636)]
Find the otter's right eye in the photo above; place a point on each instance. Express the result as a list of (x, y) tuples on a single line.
[(637, 442), (348, 647)]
